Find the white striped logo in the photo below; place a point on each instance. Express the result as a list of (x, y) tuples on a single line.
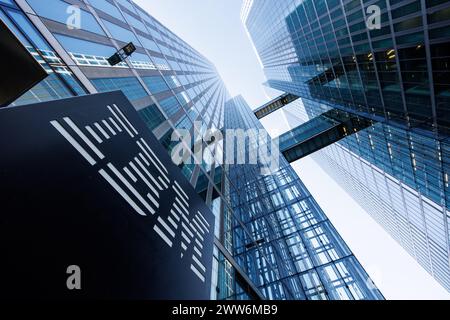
[(180, 226)]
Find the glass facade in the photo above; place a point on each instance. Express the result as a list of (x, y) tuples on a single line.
[(172, 86), (294, 251), (325, 52), (61, 82)]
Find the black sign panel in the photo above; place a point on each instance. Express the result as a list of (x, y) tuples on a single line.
[(19, 70), (89, 197)]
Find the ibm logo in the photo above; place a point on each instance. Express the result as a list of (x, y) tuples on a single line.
[(88, 141)]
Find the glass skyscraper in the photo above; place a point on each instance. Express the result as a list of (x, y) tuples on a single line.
[(396, 75), (294, 252), (272, 241)]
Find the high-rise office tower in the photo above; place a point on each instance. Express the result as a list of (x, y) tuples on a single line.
[(294, 252), (272, 240), (380, 68)]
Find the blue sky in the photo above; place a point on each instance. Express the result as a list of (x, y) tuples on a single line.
[(213, 27)]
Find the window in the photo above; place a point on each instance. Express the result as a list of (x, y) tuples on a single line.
[(155, 84), (170, 106), (10, 2), (126, 4), (152, 116), (135, 22), (406, 10), (172, 81), (54, 86), (148, 44), (74, 45), (57, 10), (312, 286), (161, 63), (106, 7), (141, 61), (121, 34), (130, 86)]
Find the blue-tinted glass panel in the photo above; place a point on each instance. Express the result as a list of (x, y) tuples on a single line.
[(130, 86), (120, 33), (75, 45), (29, 30), (49, 89), (152, 116), (126, 4), (16, 31), (141, 61), (135, 22), (145, 16), (106, 7), (172, 81), (161, 63), (10, 2), (155, 84), (59, 11), (149, 44), (170, 106), (52, 87), (140, 57)]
